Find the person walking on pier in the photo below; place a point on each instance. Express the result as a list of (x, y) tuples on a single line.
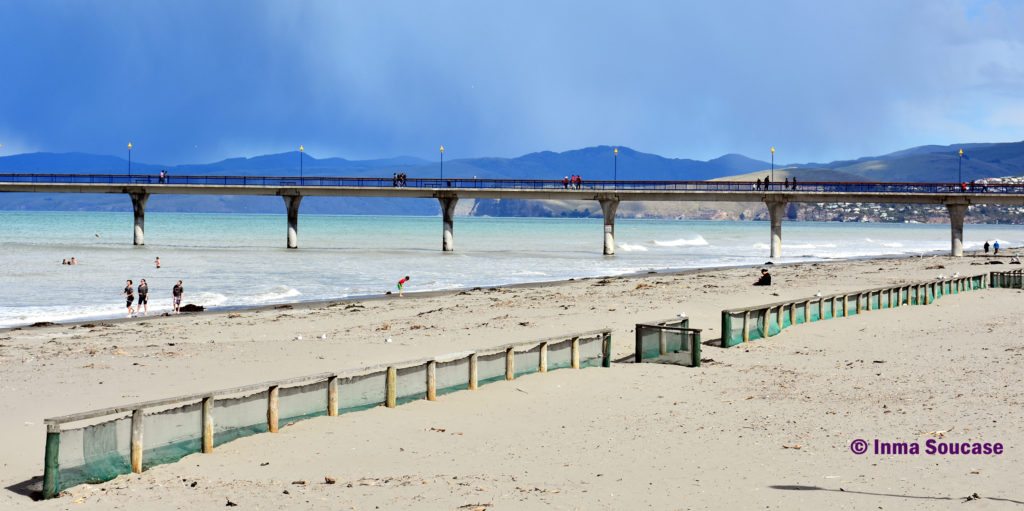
[(176, 293), (143, 297), (129, 297), (758, 185), (793, 184), (401, 284), (767, 183), (565, 182)]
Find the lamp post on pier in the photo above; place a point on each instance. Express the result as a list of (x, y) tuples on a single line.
[(129, 161), (616, 152), (442, 163), (960, 167), (773, 164), (302, 154)]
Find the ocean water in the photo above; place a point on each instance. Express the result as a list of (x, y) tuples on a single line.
[(240, 260)]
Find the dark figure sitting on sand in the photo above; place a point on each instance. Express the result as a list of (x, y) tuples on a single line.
[(765, 280)]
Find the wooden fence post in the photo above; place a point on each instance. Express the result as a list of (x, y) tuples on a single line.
[(575, 352), (606, 349), (136, 445), (472, 372), (542, 366), (510, 364), (207, 424), (272, 416), (391, 388), (432, 380), (51, 462), (332, 396), (746, 326)]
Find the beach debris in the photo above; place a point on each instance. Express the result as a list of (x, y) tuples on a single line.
[(329, 480), (265, 463), (300, 482), (935, 267), (792, 446), (229, 503), (191, 307), (298, 337), (384, 327), (476, 507), (285, 306), (42, 323), (940, 277), (973, 496), (438, 430), (387, 339), (524, 323), (323, 337), (818, 294), (681, 315)]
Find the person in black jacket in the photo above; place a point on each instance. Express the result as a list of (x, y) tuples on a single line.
[(766, 278)]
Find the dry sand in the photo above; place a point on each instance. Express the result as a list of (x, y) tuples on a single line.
[(766, 426)]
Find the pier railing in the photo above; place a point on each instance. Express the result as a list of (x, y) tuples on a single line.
[(507, 184), (1013, 279), (99, 445), (761, 321)]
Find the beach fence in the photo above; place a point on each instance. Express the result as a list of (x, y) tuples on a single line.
[(671, 341), (1007, 279), (761, 321), (99, 445)]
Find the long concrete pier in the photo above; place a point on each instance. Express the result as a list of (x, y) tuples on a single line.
[(608, 194)]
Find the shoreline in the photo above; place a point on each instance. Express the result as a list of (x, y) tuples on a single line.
[(327, 302)]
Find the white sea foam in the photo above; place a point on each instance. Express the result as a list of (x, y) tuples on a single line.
[(630, 247), (699, 241)]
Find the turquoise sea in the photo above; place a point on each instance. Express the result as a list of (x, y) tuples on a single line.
[(240, 260)]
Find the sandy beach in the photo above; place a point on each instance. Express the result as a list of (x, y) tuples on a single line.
[(767, 425)]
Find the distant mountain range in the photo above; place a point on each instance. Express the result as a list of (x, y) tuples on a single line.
[(918, 164)]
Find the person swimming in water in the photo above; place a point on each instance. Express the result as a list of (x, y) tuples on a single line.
[(401, 284)]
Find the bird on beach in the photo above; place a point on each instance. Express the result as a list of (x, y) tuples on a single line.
[(818, 294)]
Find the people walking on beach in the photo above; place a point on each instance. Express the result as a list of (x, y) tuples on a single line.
[(985, 246), (157, 262), (995, 248), (129, 297), (401, 284), (143, 297), (176, 293), (766, 278)]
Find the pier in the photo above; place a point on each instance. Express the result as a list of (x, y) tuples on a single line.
[(608, 194)]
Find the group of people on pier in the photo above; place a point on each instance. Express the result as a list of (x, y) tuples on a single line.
[(790, 184), (575, 182)]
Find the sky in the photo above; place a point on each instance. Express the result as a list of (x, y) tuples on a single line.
[(198, 81)]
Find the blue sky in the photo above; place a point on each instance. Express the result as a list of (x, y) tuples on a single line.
[(196, 81)]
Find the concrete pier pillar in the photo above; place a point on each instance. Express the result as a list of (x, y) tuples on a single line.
[(775, 212), (291, 203), (608, 209), (139, 207), (448, 216), (956, 225)]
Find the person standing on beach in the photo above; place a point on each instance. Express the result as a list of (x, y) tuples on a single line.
[(401, 284), (176, 293), (995, 248), (129, 296), (985, 247), (143, 300), (157, 262)]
